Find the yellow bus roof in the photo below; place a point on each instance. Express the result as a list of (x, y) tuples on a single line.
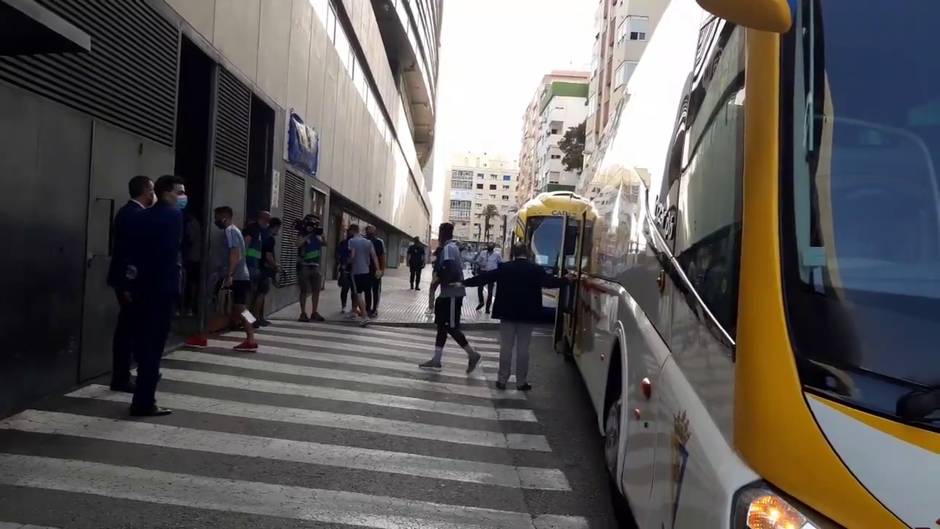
[(557, 203)]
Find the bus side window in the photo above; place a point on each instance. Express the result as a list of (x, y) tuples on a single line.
[(709, 242)]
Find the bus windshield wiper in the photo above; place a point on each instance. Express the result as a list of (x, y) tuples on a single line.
[(919, 404)]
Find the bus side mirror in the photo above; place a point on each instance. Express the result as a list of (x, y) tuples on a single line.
[(764, 15)]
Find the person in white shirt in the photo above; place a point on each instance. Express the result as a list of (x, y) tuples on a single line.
[(487, 261)]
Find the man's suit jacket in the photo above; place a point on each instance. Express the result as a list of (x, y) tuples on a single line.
[(155, 251), (519, 285), (123, 237)]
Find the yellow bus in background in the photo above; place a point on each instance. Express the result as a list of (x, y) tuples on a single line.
[(551, 225), (758, 323)]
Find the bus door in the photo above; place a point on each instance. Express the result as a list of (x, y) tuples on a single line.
[(570, 261)]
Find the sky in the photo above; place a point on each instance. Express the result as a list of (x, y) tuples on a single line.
[(493, 56)]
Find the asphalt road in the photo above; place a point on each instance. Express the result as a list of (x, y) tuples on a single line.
[(327, 426)]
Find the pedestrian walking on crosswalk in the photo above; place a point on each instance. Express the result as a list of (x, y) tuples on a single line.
[(519, 285), (449, 304), (365, 270)]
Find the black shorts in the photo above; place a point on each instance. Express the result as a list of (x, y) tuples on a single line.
[(362, 283), (240, 291), (260, 282), (447, 312)]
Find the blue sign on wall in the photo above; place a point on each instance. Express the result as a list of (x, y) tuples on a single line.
[(303, 145)]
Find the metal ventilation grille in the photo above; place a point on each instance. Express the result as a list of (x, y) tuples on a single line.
[(293, 210), (128, 78), (232, 123)]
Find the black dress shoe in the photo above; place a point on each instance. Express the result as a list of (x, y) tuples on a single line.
[(127, 387), (154, 411), (524, 387), (500, 386)]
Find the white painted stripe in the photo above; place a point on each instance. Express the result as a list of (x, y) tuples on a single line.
[(405, 362), (456, 360), (346, 376), (326, 506), (10, 525), (422, 344), (329, 420), (343, 395), (379, 330), (151, 434), (451, 354), (405, 337)]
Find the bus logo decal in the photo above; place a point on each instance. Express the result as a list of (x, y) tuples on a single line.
[(681, 434)]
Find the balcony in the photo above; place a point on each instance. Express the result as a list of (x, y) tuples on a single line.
[(412, 66)]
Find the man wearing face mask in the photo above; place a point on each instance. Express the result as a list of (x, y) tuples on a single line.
[(256, 235), (310, 258), (487, 261), (152, 275), (140, 189), (235, 275)]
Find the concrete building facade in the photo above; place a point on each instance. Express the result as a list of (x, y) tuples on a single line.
[(295, 106), (475, 182), (559, 103), (624, 27)]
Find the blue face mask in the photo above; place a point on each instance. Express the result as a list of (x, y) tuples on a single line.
[(181, 202)]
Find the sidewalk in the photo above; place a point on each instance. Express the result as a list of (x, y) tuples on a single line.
[(399, 305)]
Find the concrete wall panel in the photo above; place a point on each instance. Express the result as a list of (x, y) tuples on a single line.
[(274, 48), (299, 54), (237, 25), (200, 14)]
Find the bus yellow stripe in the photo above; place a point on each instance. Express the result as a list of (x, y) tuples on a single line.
[(775, 432)]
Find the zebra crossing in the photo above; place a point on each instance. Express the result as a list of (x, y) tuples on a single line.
[(326, 425)]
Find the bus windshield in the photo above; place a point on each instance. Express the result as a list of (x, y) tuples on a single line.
[(546, 239), (863, 249)]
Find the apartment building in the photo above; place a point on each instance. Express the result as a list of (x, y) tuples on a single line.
[(475, 182), (559, 103), (624, 27), (292, 106)]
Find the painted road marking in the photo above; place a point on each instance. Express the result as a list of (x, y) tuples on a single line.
[(324, 419), (143, 433), (349, 376), (326, 506), (344, 395)]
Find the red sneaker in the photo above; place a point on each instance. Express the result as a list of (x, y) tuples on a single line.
[(197, 341), (247, 347)]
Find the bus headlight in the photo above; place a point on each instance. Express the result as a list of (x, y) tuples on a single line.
[(762, 508)]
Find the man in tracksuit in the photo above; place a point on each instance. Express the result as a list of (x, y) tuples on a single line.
[(449, 269)]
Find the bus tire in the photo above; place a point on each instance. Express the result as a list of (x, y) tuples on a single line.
[(612, 432)]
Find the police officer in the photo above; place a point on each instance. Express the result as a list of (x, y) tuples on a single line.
[(140, 189), (153, 273)]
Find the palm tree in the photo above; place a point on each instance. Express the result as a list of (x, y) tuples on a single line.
[(489, 212)]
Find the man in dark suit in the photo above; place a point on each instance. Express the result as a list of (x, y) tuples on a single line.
[(518, 306), (153, 270), (140, 189), (416, 262)]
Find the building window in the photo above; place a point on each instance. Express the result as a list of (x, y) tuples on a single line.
[(554, 131), (479, 175), (492, 187), (507, 177), (505, 197), (479, 186), (556, 157), (492, 196), (638, 28), (505, 187)]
